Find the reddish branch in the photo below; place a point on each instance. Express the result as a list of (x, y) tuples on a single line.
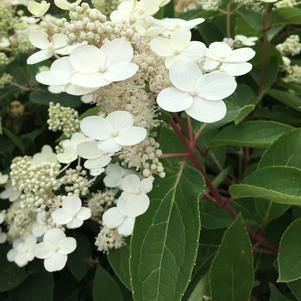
[(214, 194)]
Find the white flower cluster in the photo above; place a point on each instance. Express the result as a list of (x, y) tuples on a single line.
[(130, 66), (63, 119), (290, 47), (286, 3)]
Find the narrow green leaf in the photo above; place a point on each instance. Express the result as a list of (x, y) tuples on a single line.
[(231, 272), (251, 133), (165, 239), (119, 261), (105, 287), (289, 258), (279, 184), (290, 99)]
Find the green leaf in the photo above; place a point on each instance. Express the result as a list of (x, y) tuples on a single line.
[(36, 288), (288, 98), (11, 275), (231, 272), (251, 134), (285, 151), (119, 261), (279, 184), (295, 287), (213, 216), (286, 15), (105, 287), (165, 239), (43, 97), (78, 261), (276, 295), (289, 258)]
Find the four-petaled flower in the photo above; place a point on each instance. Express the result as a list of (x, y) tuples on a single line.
[(178, 46), (54, 249), (234, 62), (200, 96), (114, 131), (40, 40), (132, 203), (72, 214), (23, 250)]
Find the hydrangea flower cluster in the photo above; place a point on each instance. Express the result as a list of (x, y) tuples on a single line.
[(129, 66)]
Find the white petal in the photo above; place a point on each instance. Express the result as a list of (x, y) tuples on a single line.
[(112, 181), (56, 89), (75, 223), (174, 100), (241, 55), (67, 246), (54, 237), (180, 38), (133, 205), (195, 51), (53, 78), (72, 204), (59, 40), (109, 146), (150, 7), (88, 150), (87, 59), (130, 183), (209, 64), (207, 111), (117, 51), (127, 227), (39, 56), (69, 155), (91, 80), (39, 39), (161, 46), (184, 75), (42, 250), (216, 86), (236, 69), (61, 216), (112, 218), (120, 119), (96, 172), (62, 64), (55, 263), (146, 184), (96, 127), (194, 22), (11, 254), (77, 90), (120, 71), (84, 213), (131, 136), (219, 50), (98, 163)]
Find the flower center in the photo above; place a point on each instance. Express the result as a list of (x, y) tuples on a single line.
[(193, 93), (114, 134)]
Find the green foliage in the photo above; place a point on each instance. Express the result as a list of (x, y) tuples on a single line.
[(165, 241), (232, 263)]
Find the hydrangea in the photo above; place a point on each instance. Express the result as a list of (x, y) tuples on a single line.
[(47, 48), (23, 251), (114, 131), (54, 249), (200, 96), (234, 62), (178, 46), (71, 214)]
